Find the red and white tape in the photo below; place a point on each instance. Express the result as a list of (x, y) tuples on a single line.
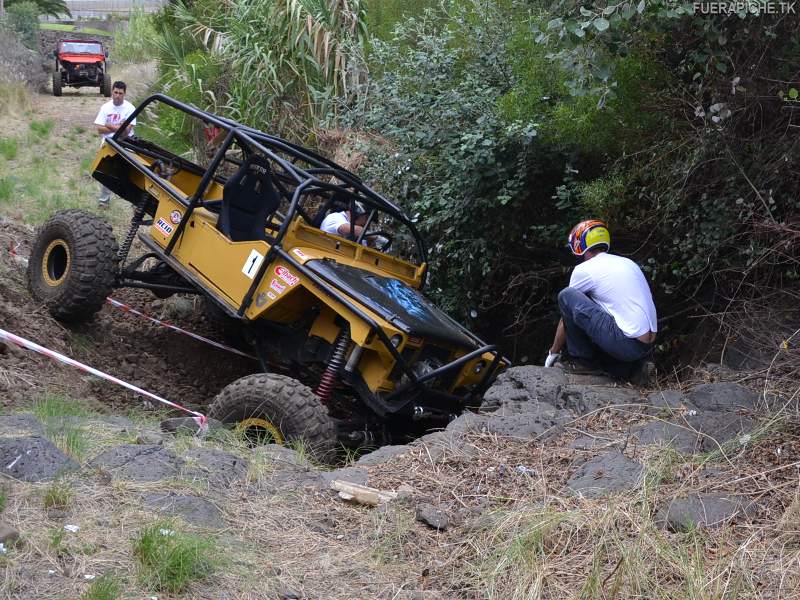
[(12, 250), (199, 418), (124, 307)]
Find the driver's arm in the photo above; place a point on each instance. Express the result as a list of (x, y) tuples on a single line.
[(345, 228)]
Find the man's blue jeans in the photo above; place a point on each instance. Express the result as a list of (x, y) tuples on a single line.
[(594, 338)]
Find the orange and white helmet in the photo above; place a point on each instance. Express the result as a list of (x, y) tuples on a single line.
[(589, 235)]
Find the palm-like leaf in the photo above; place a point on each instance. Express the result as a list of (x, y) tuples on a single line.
[(300, 52)]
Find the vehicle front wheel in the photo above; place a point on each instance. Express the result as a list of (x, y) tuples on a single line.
[(105, 87), (57, 83), (269, 408), (72, 266)]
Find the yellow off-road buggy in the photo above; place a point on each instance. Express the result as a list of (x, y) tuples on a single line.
[(351, 350)]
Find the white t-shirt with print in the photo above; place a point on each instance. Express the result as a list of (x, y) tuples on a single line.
[(618, 285), (333, 221), (111, 114)]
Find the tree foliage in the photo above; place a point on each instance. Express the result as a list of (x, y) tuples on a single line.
[(500, 123), (675, 127), (51, 8), (23, 18)]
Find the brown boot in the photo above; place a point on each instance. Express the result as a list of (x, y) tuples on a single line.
[(577, 367), (645, 374)]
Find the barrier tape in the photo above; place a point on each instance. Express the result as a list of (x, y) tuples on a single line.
[(12, 250), (199, 418), (125, 308)]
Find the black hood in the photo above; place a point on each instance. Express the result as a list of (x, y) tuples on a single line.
[(401, 305)]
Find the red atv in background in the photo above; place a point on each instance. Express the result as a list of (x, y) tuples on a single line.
[(81, 63)]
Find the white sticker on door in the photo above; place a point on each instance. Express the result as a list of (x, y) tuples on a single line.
[(252, 264)]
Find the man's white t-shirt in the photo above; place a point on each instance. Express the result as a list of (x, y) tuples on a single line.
[(333, 221), (111, 114), (618, 285)]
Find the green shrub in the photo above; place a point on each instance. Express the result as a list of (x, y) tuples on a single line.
[(480, 182), (52, 8), (58, 414), (42, 129), (171, 559), (23, 17), (8, 148), (6, 189), (384, 15), (106, 587), (135, 43)]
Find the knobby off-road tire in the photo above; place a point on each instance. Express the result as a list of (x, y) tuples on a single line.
[(57, 83), (277, 409), (105, 87), (72, 265)]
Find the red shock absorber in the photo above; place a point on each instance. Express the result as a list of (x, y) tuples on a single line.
[(331, 375)]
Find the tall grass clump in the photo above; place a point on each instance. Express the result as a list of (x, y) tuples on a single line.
[(41, 129), (14, 96), (280, 66), (8, 148), (58, 494), (134, 43), (6, 189), (106, 587), (171, 559), (61, 418)]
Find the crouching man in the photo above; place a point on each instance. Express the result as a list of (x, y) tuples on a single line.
[(608, 319)]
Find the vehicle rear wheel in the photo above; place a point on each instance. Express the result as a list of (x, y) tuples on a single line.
[(105, 87), (57, 83), (270, 408), (72, 266)]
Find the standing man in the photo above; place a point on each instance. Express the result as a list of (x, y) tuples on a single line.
[(111, 116), (608, 318)]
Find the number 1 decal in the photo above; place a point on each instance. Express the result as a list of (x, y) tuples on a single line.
[(252, 264)]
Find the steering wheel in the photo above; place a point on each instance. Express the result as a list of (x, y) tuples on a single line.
[(164, 168), (385, 234)]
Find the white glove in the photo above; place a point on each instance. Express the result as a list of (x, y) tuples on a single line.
[(551, 359), (379, 241)]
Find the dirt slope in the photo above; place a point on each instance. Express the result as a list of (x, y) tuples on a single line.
[(118, 343)]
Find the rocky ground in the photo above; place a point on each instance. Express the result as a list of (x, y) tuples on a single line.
[(559, 483)]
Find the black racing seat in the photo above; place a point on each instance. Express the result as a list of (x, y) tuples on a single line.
[(249, 198)]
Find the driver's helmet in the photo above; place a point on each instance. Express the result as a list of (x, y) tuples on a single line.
[(589, 235), (358, 209)]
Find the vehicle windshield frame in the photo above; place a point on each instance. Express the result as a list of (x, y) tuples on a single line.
[(64, 48)]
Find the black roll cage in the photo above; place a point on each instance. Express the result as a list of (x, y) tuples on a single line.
[(306, 181)]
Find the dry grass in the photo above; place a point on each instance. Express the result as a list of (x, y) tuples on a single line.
[(533, 541), (14, 98), (512, 535)]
